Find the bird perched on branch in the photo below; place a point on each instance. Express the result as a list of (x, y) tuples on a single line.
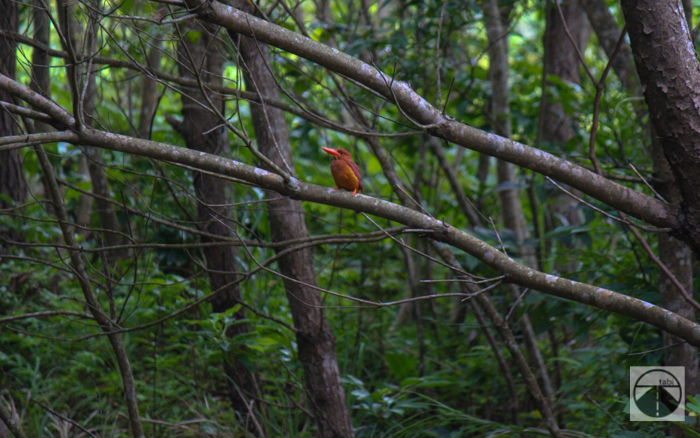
[(345, 173)]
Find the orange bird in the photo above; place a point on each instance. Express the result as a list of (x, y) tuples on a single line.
[(345, 173)]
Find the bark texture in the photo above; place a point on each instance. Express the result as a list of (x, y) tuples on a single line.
[(678, 258), (198, 52), (670, 76), (11, 177), (676, 255), (315, 342)]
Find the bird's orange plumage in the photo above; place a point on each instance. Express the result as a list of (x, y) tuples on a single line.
[(345, 173)]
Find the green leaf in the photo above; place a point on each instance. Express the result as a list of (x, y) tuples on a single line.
[(402, 366)]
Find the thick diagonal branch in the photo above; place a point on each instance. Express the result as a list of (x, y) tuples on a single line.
[(428, 117)]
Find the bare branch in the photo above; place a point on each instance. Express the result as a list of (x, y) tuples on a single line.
[(400, 93)]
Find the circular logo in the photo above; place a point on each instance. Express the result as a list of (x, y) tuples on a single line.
[(657, 393)]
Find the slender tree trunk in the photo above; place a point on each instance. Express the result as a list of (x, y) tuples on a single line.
[(467, 208), (95, 164), (41, 61), (149, 92), (502, 364), (79, 269), (408, 312), (555, 126), (12, 182), (41, 83), (197, 129), (561, 59), (391, 175), (483, 169), (607, 30), (11, 177), (501, 325), (315, 342), (511, 207)]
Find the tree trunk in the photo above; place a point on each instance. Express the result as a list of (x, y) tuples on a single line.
[(678, 258), (149, 92), (469, 212), (95, 163), (11, 177), (315, 342), (197, 129), (41, 73), (561, 59), (556, 128), (688, 10), (676, 255), (607, 30), (511, 207), (12, 182), (670, 77)]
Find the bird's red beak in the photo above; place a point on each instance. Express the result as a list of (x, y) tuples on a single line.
[(331, 151)]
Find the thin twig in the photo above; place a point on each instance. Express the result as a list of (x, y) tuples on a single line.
[(647, 184), (73, 422), (662, 266), (437, 54), (608, 215), (515, 304)]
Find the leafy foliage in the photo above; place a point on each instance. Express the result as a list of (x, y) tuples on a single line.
[(410, 370)]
